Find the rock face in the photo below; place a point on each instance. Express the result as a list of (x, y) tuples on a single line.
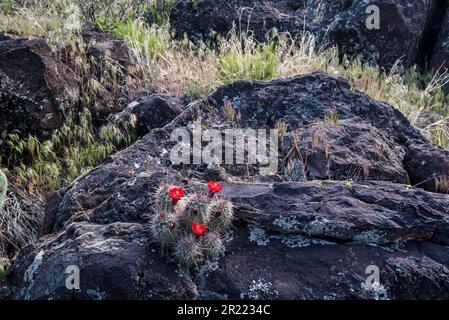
[(37, 91), (150, 112), (346, 150), (106, 58), (103, 45), (205, 19), (440, 57), (402, 34), (306, 239), (428, 166), (403, 29), (4, 37)]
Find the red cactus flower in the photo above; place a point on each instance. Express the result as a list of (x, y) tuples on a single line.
[(198, 229), (176, 193), (214, 187)]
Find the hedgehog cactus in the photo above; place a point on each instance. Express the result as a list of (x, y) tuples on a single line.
[(212, 245), (188, 251), (163, 228), (220, 214), (194, 209), (190, 224), (3, 188), (166, 197)]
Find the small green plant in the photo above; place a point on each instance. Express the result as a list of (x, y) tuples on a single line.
[(7, 6), (244, 59), (143, 38), (193, 224), (229, 111), (350, 184), (159, 11), (102, 13), (331, 117), (3, 188), (3, 274)]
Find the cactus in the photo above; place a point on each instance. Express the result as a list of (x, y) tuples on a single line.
[(220, 213), (188, 251), (163, 229), (194, 209), (3, 188), (162, 201), (190, 225), (212, 245)]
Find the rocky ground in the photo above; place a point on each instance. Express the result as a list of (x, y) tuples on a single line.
[(364, 188), (409, 31)]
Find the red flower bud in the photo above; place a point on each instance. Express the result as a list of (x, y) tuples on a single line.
[(176, 193), (198, 229), (214, 187)]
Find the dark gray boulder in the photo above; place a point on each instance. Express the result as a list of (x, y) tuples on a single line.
[(428, 167), (205, 19), (403, 31), (303, 100), (440, 55), (4, 37), (310, 239), (150, 112), (105, 45), (115, 261), (37, 91), (323, 236), (347, 149)]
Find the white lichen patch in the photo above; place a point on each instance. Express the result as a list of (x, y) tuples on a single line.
[(301, 241), (132, 182), (323, 227), (140, 241), (287, 223), (332, 296), (259, 289), (95, 294), (105, 245), (378, 291), (371, 237), (205, 269), (30, 271), (258, 236), (228, 236)]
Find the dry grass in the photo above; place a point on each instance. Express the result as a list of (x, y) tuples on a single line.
[(194, 70), (442, 184), (20, 219)]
